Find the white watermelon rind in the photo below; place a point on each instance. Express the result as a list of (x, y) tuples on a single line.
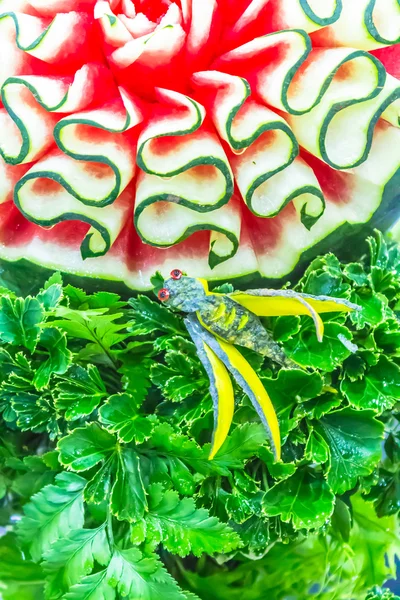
[(102, 159), (109, 268), (372, 123), (86, 249), (372, 29)]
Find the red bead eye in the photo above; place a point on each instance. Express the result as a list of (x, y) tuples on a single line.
[(176, 274), (163, 295)]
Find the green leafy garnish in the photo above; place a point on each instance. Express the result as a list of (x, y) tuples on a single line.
[(106, 487)]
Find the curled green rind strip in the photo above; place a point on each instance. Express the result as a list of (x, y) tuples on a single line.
[(291, 183), (240, 144), (89, 248), (25, 146), (38, 40), (35, 93), (372, 29), (200, 208), (328, 80), (263, 178), (395, 95), (297, 64), (26, 141), (98, 158), (179, 132), (306, 217), (200, 158), (322, 21), (293, 71), (371, 127), (214, 258)]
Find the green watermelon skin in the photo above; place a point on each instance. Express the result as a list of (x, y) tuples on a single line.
[(232, 140)]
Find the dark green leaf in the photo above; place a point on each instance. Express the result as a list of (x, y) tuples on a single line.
[(326, 284), (80, 391), (59, 358), (68, 560), (119, 415), (20, 320), (128, 498), (378, 390), (317, 450), (308, 352), (255, 535), (356, 273), (289, 389), (315, 409), (138, 577), (354, 439), (285, 328), (304, 499), (242, 444), (52, 513), (354, 367), (157, 281), (33, 412), (51, 296), (180, 387), (149, 317), (135, 377), (184, 529), (373, 308), (277, 470), (100, 486), (85, 447)]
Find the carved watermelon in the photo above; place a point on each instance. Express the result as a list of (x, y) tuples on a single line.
[(225, 137)]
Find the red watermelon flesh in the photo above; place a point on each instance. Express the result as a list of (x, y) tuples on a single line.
[(226, 138)]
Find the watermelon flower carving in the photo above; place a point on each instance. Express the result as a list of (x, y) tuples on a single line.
[(227, 137)]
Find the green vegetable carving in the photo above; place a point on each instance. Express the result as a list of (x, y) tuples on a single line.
[(217, 322)]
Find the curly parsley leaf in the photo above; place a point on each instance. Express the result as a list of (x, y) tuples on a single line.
[(304, 499), (289, 389), (373, 308), (354, 440), (379, 388), (308, 352)]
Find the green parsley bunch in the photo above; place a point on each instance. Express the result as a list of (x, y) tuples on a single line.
[(106, 490)]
